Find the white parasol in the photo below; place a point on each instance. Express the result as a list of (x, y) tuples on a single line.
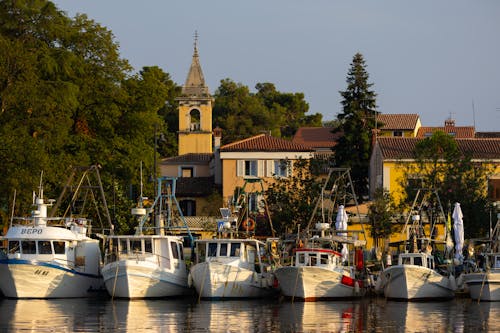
[(458, 229)]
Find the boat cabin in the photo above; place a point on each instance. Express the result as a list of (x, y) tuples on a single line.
[(417, 259), (38, 247), (317, 257), (245, 253)]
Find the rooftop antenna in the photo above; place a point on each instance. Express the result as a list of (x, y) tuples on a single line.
[(473, 114)]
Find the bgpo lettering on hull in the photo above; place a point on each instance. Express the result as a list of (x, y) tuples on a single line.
[(31, 231)]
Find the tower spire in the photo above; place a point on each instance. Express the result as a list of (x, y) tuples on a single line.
[(195, 82)]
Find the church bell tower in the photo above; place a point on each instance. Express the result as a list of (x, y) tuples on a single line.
[(195, 111)]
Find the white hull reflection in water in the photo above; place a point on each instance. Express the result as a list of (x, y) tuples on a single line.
[(188, 315)]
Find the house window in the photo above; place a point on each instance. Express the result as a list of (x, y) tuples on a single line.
[(397, 133), (494, 188), (251, 168), (188, 207), (194, 120), (281, 168), (187, 172)]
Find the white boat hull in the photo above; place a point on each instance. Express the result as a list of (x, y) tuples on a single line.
[(142, 279), (310, 283), (34, 279), (411, 282), (483, 286), (217, 280)]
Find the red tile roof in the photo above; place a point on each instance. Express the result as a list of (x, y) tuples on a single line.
[(397, 121), (264, 143), (316, 137), (192, 158), (402, 148), (456, 131)]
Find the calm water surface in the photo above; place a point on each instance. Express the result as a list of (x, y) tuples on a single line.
[(191, 315)]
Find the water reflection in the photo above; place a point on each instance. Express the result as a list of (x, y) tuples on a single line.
[(187, 314)]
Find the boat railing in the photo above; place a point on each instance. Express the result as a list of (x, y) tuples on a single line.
[(139, 256)]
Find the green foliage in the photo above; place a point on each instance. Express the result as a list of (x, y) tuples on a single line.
[(357, 120), (291, 200), (68, 99), (442, 166), (380, 216), (242, 114)]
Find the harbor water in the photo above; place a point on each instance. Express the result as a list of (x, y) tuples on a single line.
[(275, 315)]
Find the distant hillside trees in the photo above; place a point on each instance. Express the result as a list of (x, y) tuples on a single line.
[(242, 114), (356, 122)]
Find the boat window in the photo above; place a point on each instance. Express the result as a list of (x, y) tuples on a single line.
[(135, 245), (201, 250), (29, 247), (175, 251), (212, 249), (430, 263), (148, 246), (59, 247), (223, 249), (13, 247), (313, 260), (406, 261), (181, 252), (301, 258), (44, 247), (417, 261), (324, 259), (235, 249), (123, 246)]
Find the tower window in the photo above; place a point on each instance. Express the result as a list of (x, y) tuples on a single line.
[(194, 120)]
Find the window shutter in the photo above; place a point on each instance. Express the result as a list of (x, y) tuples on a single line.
[(240, 168), (269, 168), (260, 168)]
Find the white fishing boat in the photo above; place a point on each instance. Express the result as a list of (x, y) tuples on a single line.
[(50, 257), (232, 268), (320, 272), (484, 285), (149, 266), (228, 266), (328, 264), (484, 282), (417, 275)]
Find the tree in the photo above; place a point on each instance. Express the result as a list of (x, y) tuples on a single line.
[(291, 200), (441, 165), (357, 121), (380, 216)]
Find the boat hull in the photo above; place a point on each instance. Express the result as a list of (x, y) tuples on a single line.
[(484, 286), (411, 282), (220, 281), (310, 283), (141, 279), (35, 279)]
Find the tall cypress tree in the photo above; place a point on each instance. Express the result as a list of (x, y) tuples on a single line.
[(356, 122)]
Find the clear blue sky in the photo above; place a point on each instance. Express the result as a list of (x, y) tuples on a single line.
[(433, 58)]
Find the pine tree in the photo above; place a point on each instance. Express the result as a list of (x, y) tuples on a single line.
[(356, 122)]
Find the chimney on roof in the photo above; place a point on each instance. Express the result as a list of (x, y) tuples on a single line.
[(217, 133), (449, 123)]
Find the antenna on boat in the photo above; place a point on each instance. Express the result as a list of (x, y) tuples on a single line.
[(40, 187), (13, 208)]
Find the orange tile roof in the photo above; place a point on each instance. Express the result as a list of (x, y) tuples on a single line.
[(316, 137), (457, 131), (398, 121), (402, 148), (264, 143)]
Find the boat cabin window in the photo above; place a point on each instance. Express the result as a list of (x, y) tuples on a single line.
[(313, 260), (301, 258), (123, 246), (417, 261), (175, 251), (44, 247), (181, 251), (136, 245), (324, 259), (28, 247), (59, 247), (235, 249), (212, 250), (14, 247), (148, 246), (430, 263), (223, 249), (406, 261), (496, 263)]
